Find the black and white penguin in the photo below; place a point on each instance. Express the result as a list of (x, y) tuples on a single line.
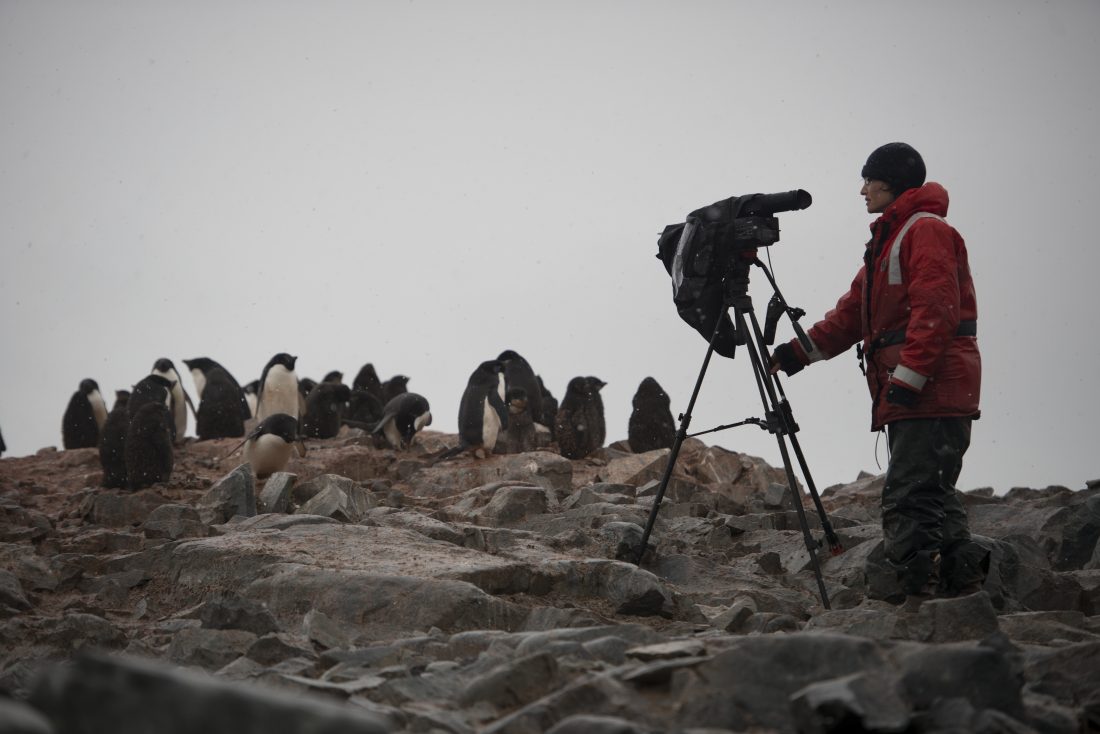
[(402, 418), (278, 391), (651, 425), (520, 435), (180, 400), (200, 367), (112, 443), (220, 414), (84, 417), (148, 450), (268, 446), (325, 408), (579, 426), (367, 379), (482, 413), (518, 373)]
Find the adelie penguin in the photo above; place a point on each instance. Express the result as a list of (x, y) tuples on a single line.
[(268, 446), (402, 418), (148, 451), (84, 417), (180, 400), (651, 425), (579, 426), (325, 409), (151, 389), (396, 385), (481, 413), (112, 444), (367, 379), (228, 399), (520, 436), (279, 388)]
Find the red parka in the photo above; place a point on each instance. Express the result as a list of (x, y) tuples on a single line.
[(912, 305)]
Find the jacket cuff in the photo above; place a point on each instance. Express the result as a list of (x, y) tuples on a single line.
[(907, 378)]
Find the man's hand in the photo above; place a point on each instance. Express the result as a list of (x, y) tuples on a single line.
[(784, 358)]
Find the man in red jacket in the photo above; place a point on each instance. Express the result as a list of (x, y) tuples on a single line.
[(913, 313)]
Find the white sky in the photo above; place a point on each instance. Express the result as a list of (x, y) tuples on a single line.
[(425, 184)]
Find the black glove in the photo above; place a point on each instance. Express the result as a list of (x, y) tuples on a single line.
[(898, 395), (787, 359)]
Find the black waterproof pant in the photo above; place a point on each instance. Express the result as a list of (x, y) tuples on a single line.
[(925, 529)]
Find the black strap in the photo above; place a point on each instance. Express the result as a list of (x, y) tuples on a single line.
[(890, 338)]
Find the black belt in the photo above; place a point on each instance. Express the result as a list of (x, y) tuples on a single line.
[(890, 338)]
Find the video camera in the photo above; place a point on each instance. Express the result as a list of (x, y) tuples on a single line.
[(716, 244)]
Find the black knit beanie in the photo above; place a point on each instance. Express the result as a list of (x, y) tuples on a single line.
[(898, 165)]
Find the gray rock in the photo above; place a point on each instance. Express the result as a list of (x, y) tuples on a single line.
[(339, 498), (514, 683), (232, 495), (231, 611), (954, 620), (19, 718), (983, 676), (209, 648), (857, 702), (588, 724), (174, 522), (275, 648), (116, 510), (11, 592), (276, 494), (130, 696)]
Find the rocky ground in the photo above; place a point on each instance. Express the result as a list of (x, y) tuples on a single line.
[(368, 590)]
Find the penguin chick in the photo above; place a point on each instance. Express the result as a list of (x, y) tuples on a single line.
[(112, 444), (268, 446), (402, 418), (149, 445), (220, 414), (520, 435), (84, 417), (579, 425), (651, 425), (324, 410)]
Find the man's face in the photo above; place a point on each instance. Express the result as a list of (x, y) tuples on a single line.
[(877, 195)]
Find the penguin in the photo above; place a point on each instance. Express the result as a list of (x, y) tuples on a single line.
[(481, 413), (278, 391), (181, 401), (252, 395), (651, 425), (520, 435), (148, 444), (112, 444), (220, 414), (518, 373), (549, 407), (268, 446), (402, 418), (325, 409), (367, 379), (200, 367), (396, 385), (151, 389), (364, 409), (84, 417), (3, 447), (579, 425), (335, 376)]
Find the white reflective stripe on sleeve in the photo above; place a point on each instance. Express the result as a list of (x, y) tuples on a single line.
[(895, 248), (814, 354), (914, 379)]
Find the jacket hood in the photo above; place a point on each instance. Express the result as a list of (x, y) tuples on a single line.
[(931, 197)]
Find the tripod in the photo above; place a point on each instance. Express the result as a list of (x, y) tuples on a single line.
[(778, 420)]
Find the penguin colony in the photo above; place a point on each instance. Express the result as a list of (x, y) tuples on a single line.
[(502, 409)]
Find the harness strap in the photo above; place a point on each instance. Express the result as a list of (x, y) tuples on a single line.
[(890, 338)]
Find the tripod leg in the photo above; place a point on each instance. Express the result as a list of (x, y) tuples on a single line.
[(771, 406)]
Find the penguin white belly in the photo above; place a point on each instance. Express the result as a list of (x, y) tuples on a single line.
[(393, 436), (250, 398), (280, 393), (267, 454), (176, 402), (490, 426), (99, 408)]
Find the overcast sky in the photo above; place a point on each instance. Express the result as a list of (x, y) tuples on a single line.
[(422, 185)]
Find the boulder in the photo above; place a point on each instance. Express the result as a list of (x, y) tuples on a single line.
[(232, 495)]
